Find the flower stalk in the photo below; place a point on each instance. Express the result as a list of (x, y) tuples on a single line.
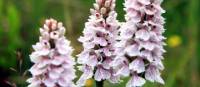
[(99, 83)]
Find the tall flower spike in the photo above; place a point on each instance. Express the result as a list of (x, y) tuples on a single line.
[(98, 43), (140, 47), (53, 63)]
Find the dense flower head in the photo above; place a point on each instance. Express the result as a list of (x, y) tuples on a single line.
[(98, 42), (53, 63), (140, 47)]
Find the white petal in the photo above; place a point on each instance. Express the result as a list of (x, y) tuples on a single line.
[(117, 61), (63, 46), (106, 63), (53, 75), (101, 41), (43, 64), (120, 44), (114, 79), (124, 71), (57, 60), (127, 31), (142, 34), (145, 2), (150, 10), (59, 70), (148, 45), (158, 64), (37, 47), (147, 54), (137, 65), (36, 71), (35, 58), (92, 61), (135, 81), (54, 35), (152, 74), (98, 75), (88, 73), (83, 57), (34, 85), (34, 82), (159, 80), (107, 52), (49, 83), (101, 74), (88, 45), (132, 50)]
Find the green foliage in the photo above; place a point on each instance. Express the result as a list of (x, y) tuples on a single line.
[(1, 7), (13, 18), (20, 21), (10, 39)]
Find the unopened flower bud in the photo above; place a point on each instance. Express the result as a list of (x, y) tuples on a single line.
[(107, 4), (103, 10), (99, 2), (53, 26), (96, 6), (92, 11)]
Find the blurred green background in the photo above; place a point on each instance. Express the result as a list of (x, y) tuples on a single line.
[(20, 21)]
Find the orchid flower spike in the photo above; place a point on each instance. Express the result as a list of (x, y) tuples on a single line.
[(53, 63), (98, 42), (140, 47)]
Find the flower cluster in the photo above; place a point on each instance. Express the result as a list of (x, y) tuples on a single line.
[(98, 42), (53, 63), (140, 47)]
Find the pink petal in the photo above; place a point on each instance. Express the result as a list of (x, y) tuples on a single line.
[(132, 50), (137, 65), (145, 2), (135, 81), (147, 54), (152, 74), (124, 71), (101, 74), (92, 60), (53, 75), (142, 34), (49, 82)]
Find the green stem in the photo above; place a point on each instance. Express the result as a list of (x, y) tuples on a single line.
[(99, 83)]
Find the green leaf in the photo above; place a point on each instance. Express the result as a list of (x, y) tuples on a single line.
[(13, 17), (1, 8), (13, 39)]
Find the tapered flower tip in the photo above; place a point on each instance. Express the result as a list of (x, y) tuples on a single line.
[(52, 30), (103, 7)]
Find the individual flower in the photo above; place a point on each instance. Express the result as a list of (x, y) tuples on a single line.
[(140, 47), (53, 63), (98, 42)]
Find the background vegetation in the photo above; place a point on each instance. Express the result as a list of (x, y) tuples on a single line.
[(21, 19)]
